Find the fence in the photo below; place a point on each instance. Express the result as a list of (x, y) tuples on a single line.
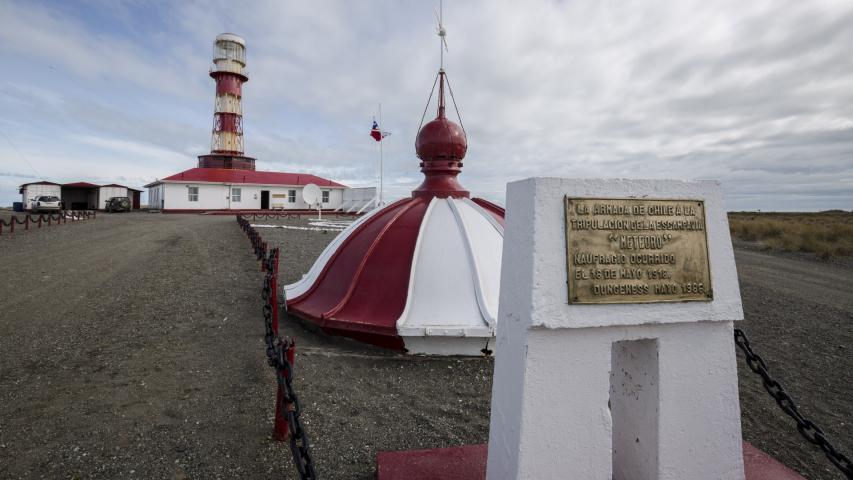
[(59, 218), (281, 353), (298, 214), (811, 432)]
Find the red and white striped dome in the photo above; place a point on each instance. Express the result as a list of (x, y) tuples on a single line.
[(422, 274)]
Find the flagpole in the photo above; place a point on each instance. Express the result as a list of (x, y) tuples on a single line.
[(381, 180)]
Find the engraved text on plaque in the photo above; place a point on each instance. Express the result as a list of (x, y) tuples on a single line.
[(636, 250)]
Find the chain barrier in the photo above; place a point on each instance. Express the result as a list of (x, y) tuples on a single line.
[(280, 352), (61, 217), (258, 244), (280, 356), (300, 214), (806, 427)]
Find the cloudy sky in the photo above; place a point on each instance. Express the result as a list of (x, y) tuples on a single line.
[(756, 94)]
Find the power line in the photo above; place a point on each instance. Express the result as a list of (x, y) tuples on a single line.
[(21, 154)]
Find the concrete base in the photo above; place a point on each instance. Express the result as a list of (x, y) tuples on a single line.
[(438, 345), (469, 463), (456, 463)]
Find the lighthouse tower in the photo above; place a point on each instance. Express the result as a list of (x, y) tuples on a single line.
[(226, 146)]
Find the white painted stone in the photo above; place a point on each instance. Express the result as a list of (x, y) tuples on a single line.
[(570, 400)]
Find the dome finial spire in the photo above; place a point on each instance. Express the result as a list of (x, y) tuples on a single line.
[(442, 33), (441, 103), (441, 144)]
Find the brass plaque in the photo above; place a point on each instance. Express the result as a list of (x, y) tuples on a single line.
[(625, 250)]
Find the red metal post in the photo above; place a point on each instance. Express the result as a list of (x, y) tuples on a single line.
[(39, 221), (12, 225), (280, 427), (27, 222)]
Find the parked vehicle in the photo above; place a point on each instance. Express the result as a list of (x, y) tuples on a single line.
[(118, 204), (45, 203)]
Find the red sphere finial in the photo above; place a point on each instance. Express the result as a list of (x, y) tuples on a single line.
[(441, 145), (441, 139)]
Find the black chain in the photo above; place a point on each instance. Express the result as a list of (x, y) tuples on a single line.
[(277, 352), (806, 427), (62, 216)]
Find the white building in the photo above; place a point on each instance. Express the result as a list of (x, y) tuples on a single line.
[(359, 200), (30, 191), (78, 195), (210, 189)]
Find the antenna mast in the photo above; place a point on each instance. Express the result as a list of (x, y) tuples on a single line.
[(442, 33)]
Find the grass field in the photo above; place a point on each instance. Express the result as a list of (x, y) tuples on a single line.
[(825, 234)]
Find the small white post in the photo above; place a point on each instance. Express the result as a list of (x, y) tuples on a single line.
[(627, 391)]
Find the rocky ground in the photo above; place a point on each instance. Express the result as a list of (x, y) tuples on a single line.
[(131, 347)]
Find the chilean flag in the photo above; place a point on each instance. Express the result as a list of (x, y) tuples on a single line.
[(377, 134)]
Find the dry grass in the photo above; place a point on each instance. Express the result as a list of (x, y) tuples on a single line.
[(826, 234)]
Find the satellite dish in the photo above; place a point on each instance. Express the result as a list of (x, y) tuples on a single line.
[(312, 196)]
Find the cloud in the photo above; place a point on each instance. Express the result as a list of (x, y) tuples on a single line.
[(755, 94)]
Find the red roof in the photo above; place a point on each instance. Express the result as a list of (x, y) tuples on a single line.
[(121, 186), (226, 175), (80, 185)]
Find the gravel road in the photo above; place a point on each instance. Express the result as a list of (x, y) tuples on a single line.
[(131, 347), (799, 317)]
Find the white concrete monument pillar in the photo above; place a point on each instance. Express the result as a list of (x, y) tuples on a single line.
[(634, 376)]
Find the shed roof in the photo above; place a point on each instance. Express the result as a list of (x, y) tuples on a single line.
[(80, 185), (226, 175), (43, 182), (121, 186)]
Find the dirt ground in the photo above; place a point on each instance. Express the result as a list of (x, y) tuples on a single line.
[(799, 317), (131, 347)]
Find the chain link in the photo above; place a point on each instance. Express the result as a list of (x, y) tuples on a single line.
[(806, 427), (277, 356)]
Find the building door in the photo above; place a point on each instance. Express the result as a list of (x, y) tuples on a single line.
[(265, 199), (136, 200)]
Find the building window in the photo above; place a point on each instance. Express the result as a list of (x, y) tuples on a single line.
[(192, 194), (325, 196), (235, 194), (291, 196)]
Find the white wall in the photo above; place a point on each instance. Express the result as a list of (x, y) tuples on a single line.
[(359, 194), (355, 199), (336, 197), (217, 197), (210, 197), (33, 191), (559, 407)]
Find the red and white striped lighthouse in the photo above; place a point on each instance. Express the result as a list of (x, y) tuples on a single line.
[(226, 149)]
